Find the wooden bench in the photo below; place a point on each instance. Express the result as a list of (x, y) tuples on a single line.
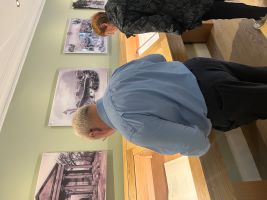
[(172, 46), (144, 175)]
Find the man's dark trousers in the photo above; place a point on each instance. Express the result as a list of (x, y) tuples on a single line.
[(235, 94)]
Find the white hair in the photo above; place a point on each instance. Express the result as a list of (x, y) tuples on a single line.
[(82, 122)]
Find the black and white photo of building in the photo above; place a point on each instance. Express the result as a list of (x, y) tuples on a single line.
[(96, 4), (75, 88), (82, 39), (72, 176)]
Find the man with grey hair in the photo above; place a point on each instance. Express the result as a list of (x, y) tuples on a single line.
[(170, 107), (88, 124)]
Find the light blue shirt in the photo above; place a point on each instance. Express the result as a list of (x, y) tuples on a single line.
[(157, 105)]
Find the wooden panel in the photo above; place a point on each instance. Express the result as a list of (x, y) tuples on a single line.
[(150, 176), (262, 126), (212, 45), (130, 176), (159, 177), (199, 179), (238, 41), (264, 30), (177, 47), (242, 155), (125, 169), (252, 190), (257, 147), (171, 157), (144, 178), (218, 182), (127, 48), (130, 145), (122, 47), (199, 34)]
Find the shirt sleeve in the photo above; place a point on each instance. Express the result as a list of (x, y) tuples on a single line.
[(155, 58), (154, 23), (167, 137)]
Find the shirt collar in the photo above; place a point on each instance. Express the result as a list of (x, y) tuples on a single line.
[(102, 113)]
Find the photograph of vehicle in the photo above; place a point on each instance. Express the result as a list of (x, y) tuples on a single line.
[(75, 88), (81, 38)]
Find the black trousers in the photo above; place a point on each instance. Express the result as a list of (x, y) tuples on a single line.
[(235, 94), (228, 10)]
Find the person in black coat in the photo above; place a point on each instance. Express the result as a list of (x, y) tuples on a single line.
[(171, 16)]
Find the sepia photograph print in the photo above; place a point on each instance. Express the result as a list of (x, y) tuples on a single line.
[(75, 88), (81, 38), (72, 176), (95, 4)]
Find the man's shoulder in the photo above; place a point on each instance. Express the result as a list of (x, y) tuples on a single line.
[(133, 65), (117, 113), (114, 3)]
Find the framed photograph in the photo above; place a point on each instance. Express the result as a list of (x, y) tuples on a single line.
[(81, 38), (95, 4), (75, 88), (72, 176)]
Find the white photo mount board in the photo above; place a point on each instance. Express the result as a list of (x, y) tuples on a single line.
[(180, 179), (146, 40)]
